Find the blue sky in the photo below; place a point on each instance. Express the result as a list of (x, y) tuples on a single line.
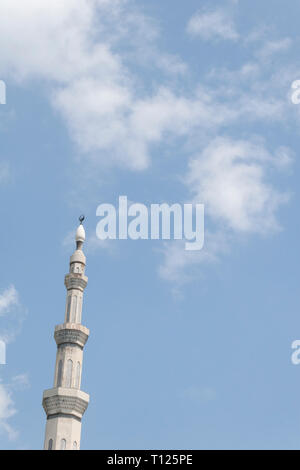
[(163, 102)]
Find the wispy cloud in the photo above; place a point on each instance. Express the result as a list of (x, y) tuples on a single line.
[(20, 381), (92, 244), (88, 55), (180, 266), (112, 117), (212, 25), (8, 299), (229, 176), (8, 406), (7, 410), (233, 177), (92, 85), (270, 48), (11, 318), (11, 314)]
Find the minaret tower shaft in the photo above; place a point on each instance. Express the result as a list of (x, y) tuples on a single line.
[(65, 403)]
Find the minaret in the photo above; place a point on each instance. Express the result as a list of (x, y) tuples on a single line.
[(65, 403)]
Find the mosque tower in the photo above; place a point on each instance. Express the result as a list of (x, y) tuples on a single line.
[(65, 403)]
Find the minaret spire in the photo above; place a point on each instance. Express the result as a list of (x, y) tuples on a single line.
[(65, 403), (80, 234)]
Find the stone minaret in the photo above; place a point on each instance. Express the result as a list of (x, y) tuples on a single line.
[(65, 403)]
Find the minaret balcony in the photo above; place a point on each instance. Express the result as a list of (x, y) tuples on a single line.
[(76, 281), (67, 401), (73, 333)]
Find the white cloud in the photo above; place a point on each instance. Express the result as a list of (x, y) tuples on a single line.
[(229, 177), (122, 129), (69, 240), (7, 404), (234, 177), (72, 46), (270, 48), (8, 299), (180, 266), (88, 53), (20, 381), (91, 245), (94, 244), (75, 47), (11, 314), (110, 116), (171, 64), (216, 24), (57, 36), (7, 410)]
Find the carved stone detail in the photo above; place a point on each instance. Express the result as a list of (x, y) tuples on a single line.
[(66, 401), (75, 281), (71, 333)]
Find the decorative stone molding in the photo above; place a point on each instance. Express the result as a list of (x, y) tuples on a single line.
[(71, 333), (65, 401), (76, 281)]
